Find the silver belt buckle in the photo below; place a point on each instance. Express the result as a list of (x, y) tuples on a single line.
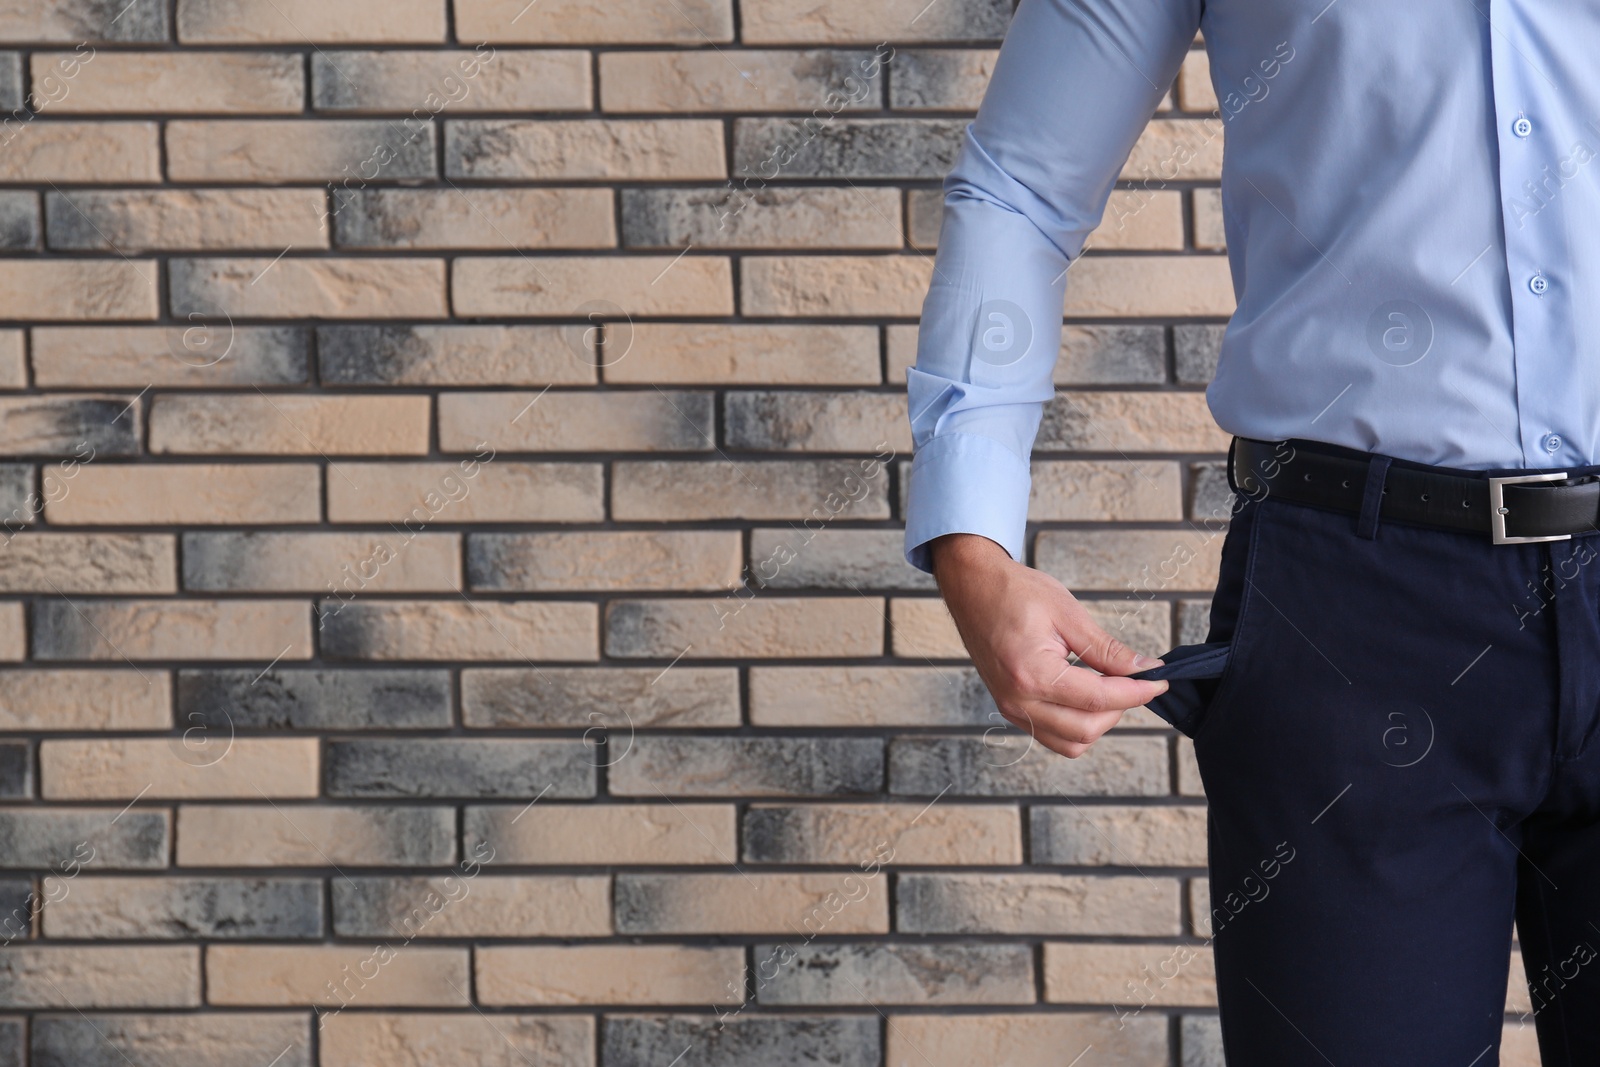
[(1498, 509)]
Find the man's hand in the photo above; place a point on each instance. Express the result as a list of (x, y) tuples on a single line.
[(1020, 625)]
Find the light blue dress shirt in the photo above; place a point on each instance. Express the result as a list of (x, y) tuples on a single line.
[(1411, 200)]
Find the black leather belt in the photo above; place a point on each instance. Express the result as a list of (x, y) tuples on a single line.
[(1512, 510)]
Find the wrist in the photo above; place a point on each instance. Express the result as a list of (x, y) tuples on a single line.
[(964, 550)]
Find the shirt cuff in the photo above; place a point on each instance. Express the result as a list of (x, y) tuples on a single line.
[(965, 483)]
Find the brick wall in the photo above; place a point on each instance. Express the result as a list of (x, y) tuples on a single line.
[(452, 595)]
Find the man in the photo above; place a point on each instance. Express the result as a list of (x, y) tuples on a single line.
[(1402, 679)]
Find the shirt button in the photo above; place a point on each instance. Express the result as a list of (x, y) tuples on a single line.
[(1522, 127), (1552, 442), (1538, 283)]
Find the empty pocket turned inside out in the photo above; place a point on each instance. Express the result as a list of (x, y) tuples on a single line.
[(1192, 673)]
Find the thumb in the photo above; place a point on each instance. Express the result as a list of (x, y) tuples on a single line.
[(1103, 652)]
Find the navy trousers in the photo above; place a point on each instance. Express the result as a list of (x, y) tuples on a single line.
[(1396, 729)]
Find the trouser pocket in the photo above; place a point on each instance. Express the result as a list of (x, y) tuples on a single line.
[(1192, 673)]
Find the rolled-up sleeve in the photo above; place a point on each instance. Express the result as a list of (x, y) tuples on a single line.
[(1074, 85)]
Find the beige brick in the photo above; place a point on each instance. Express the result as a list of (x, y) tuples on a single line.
[(743, 354), (189, 219), (1156, 975), (1175, 150), (452, 82), (816, 491), (213, 765), (77, 977), (171, 629), (13, 360), (204, 354), (1107, 421), (309, 288), (755, 903), (745, 80), (310, 21), (293, 425), (93, 153), (1105, 490), (44, 290), (583, 22), (438, 1039), (846, 22), (868, 696), (1120, 836), (351, 152), (922, 627), (562, 285), (1519, 1045), (616, 560), (1140, 220), (418, 494), (65, 563), (1208, 229), (474, 905), (1035, 1039), (556, 975), (48, 700), (835, 285), (492, 219), (1195, 91), (856, 834), (180, 83), (13, 635), (1149, 562), (1135, 286), (459, 629), (356, 976), (191, 494), (456, 355), (353, 564), (760, 626), (314, 836), (573, 421), (605, 834), (1189, 783), (612, 149)]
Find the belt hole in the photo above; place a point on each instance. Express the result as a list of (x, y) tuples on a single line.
[(1346, 483), (1466, 503), (1308, 476), (1424, 496), (1386, 490)]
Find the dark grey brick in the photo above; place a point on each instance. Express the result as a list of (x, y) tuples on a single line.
[(1012, 764), (749, 766), (846, 148), (792, 420), (1201, 1041), (1113, 355), (186, 908), (833, 559), (63, 425), (17, 909), (451, 767), (53, 838), (1194, 621), (13, 1047), (898, 974), (611, 697), (93, 21), (1211, 500), (314, 700), (10, 83), (16, 489), (925, 214), (741, 1040), (19, 219), (230, 1039), (16, 769), (940, 78), (453, 355), (1197, 347), (722, 217)]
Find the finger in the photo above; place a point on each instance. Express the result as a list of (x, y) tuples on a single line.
[(1099, 649), (1045, 720), (1083, 689)]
